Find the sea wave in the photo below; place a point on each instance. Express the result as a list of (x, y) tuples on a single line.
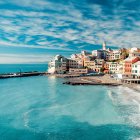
[(127, 101), (45, 112)]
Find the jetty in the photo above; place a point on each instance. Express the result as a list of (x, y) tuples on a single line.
[(131, 81), (92, 80), (64, 75), (72, 75), (21, 74)]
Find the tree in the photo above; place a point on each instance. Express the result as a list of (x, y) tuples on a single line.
[(102, 69)]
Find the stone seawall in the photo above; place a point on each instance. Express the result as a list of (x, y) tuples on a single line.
[(92, 80)]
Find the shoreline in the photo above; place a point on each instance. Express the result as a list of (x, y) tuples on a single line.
[(135, 87), (76, 79), (105, 80), (93, 80)]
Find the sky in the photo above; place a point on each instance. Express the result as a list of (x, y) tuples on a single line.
[(33, 31)]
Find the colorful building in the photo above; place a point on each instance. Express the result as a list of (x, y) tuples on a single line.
[(128, 65), (113, 67), (72, 64), (113, 55), (89, 64), (78, 71), (106, 68), (99, 54), (58, 64), (136, 69)]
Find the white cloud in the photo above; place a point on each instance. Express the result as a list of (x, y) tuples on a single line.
[(53, 30), (56, 47), (24, 58)]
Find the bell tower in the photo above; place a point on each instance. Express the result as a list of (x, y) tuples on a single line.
[(104, 45)]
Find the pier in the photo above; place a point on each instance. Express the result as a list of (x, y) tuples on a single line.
[(23, 74), (65, 75), (131, 81), (93, 80)]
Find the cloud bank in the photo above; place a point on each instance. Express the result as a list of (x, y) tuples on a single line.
[(69, 25)]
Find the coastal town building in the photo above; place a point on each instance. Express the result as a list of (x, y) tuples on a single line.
[(113, 55), (134, 49), (99, 54), (72, 64), (79, 58), (128, 62), (136, 69), (122, 61), (58, 64), (89, 64), (98, 67), (78, 71), (134, 54), (106, 68), (85, 53), (120, 67), (113, 67), (100, 61)]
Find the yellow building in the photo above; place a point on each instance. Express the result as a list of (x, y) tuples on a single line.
[(78, 71), (89, 64)]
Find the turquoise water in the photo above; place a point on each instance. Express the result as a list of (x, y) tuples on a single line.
[(42, 108), (11, 68)]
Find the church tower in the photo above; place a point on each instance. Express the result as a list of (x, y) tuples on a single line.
[(104, 45)]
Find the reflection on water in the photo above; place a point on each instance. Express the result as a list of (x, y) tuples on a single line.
[(44, 108)]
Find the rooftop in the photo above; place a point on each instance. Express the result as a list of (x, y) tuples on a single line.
[(130, 58), (137, 63)]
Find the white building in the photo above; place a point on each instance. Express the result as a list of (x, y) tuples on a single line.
[(113, 55), (133, 49), (134, 54), (119, 68), (136, 69), (99, 54), (113, 67), (58, 64), (79, 58)]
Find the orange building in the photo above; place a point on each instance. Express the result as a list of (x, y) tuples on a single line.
[(128, 64), (106, 68)]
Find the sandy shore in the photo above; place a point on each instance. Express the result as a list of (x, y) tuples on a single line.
[(93, 80), (96, 79)]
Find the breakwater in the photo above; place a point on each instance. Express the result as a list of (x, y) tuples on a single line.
[(23, 74), (91, 83), (92, 80)]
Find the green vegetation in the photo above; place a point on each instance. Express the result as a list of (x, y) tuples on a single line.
[(102, 69)]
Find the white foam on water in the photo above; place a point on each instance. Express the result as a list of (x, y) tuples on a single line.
[(49, 111), (110, 95), (137, 139), (137, 103), (130, 100)]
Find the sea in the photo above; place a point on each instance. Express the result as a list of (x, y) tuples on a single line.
[(42, 108), (13, 68)]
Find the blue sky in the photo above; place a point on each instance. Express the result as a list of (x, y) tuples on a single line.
[(36, 30)]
